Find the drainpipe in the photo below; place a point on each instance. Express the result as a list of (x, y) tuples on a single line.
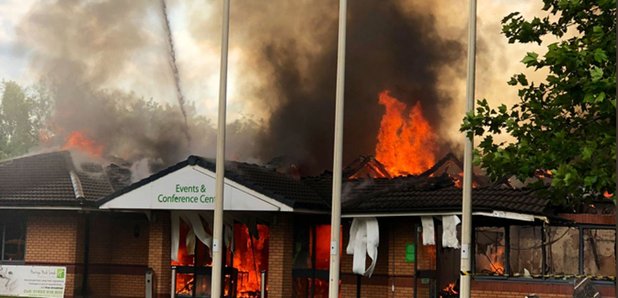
[(86, 256), (78, 191), (416, 249)]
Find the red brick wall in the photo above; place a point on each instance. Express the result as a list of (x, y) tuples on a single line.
[(280, 250), (512, 289), (159, 247), (56, 239), (393, 276), (117, 259)]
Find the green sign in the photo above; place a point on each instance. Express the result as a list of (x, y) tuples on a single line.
[(187, 194), (410, 253)]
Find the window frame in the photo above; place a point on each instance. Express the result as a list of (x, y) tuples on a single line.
[(581, 228), (7, 222)]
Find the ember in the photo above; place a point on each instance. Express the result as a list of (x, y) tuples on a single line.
[(406, 141), (77, 140), (449, 291)]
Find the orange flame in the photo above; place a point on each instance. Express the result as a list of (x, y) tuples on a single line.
[(77, 140), (250, 258), (450, 289), (406, 141)]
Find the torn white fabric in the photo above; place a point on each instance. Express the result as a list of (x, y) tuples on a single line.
[(364, 240), (449, 233), (228, 235), (428, 230), (190, 242), (175, 220), (196, 229)]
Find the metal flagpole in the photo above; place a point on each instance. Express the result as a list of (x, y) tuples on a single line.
[(335, 221), (217, 242), (466, 222)]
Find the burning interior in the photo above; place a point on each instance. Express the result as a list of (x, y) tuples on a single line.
[(245, 259)]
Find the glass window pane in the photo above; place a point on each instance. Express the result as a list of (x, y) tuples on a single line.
[(599, 252), (14, 241), (526, 253), (562, 250), (489, 251), (184, 284)]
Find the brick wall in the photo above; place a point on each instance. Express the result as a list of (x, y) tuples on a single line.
[(280, 250), (513, 289), (159, 247), (56, 239), (117, 259), (393, 276), (117, 256)]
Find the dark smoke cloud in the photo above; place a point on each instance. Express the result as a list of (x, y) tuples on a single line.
[(80, 47), (78, 50), (295, 49)]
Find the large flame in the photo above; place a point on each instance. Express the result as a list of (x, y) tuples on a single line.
[(77, 140), (406, 141), (250, 258)]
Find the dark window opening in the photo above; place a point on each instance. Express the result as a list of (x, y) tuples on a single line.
[(12, 240)]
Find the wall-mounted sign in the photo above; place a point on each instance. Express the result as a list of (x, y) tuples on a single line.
[(192, 188), (32, 281)]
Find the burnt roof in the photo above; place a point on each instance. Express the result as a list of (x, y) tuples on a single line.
[(422, 193), (45, 179), (409, 199)]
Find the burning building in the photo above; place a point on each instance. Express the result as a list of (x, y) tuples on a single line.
[(119, 232), (63, 210)]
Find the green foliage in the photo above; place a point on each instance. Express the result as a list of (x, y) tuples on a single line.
[(23, 113), (565, 124)]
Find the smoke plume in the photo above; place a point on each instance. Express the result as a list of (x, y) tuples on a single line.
[(282, 74), (294, 49)]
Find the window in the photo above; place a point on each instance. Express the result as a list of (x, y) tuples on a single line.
[(562, 250), (517, 251), (526, 251), (490, 249), (12, 240), (599, 256)]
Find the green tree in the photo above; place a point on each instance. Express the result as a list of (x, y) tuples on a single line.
[(566, 123), (23, 113)]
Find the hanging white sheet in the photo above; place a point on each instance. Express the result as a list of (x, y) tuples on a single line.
[(449, 233), (195, 227), (428, 230), (364, 240)]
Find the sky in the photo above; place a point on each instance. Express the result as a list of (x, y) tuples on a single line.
[(199, 59), (122, 45)]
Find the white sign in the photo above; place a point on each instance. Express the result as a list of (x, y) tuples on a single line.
[(32, 281), (192, 188)]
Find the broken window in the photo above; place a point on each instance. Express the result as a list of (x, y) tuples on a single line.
[(311, 260), (562, 250), (599, 252), (490, 248), (12, 240), (526, 251)]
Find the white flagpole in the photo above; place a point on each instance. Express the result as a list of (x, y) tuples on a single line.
[(217, 237), (466, 222), (335, 221)]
